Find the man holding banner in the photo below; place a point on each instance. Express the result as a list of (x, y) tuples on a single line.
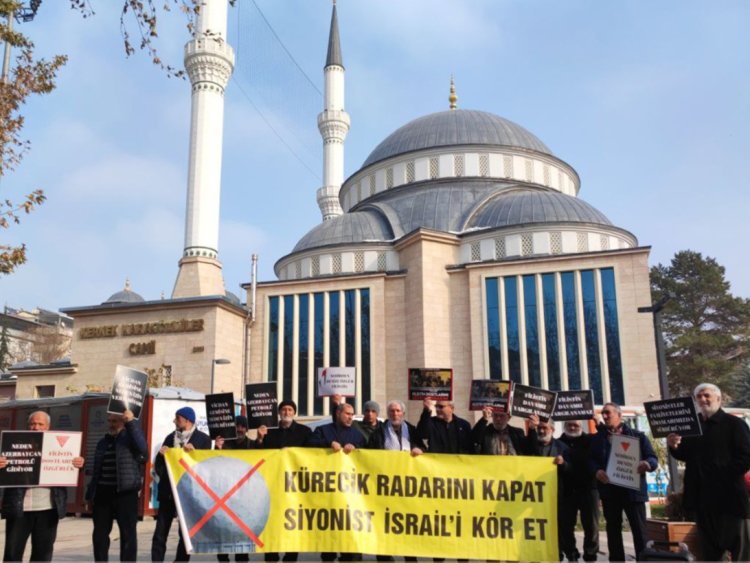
[(445, 432), (617, 498), (494, 435), (188, 437), (117, 480), (33, 511), (716, 463)]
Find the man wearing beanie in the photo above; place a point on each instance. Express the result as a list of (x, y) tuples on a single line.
[(369, 423), (289, 434), (186, 436)]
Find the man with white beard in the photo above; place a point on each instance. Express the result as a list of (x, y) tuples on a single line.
[(716, 463), (395, 434), (289, 434), (580, 495)]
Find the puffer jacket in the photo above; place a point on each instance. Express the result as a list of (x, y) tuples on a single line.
[(131, 453)]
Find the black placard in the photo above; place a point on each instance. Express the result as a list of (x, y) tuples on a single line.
[(220, 416), (676, 416), (262, 404), (430, 383), (23, 450), (489, 393), (526, 401), (574, 405), (128, 391)]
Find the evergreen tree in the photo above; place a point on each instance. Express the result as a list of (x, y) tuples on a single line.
[(706, 328)]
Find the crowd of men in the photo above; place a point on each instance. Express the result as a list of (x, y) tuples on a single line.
[(715, 491)]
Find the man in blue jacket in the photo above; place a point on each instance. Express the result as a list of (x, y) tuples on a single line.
[(339, 436), (616, 499), (115, 485), (33, 511), (188, 437)]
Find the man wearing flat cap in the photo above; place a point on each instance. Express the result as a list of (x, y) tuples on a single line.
[(188, 437), (289, 434)]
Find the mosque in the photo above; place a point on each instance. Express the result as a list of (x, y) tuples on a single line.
[(459, 243)]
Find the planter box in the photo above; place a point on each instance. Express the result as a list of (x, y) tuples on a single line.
[(685, 532)]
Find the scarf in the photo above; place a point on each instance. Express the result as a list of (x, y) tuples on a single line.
[(501, 443), (182, 437), (392, 440)]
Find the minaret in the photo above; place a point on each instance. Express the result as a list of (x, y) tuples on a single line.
[(333, 124), (209, 61)]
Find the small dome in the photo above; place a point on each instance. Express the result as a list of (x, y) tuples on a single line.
[(350, 228), (455, 127), (127, 295), (526, 206)]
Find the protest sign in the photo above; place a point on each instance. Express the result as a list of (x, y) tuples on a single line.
[(430, 383), (41, 459), (220, 416), (673, 416), (377, 502), (526, 401), (622, 465), (128, 391), (262, 404), (574, 405), (336, 381), (489, 393)]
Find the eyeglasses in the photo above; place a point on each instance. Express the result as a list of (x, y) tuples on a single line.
[(606, 412)]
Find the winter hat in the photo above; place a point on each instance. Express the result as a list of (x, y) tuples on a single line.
[(187, 413), (371, 406), (288, 403), (240, 421)]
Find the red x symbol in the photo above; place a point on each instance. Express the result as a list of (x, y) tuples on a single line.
[(221, 502)]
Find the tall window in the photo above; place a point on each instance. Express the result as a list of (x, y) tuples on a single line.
[(561, 300), (511, 322), (310, 315)]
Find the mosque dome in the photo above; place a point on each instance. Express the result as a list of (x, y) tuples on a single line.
[(455, 128), (350, 228), (126, 295), (528, 206)]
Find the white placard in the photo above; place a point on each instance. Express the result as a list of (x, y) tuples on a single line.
[(622, 466), (58, 451), (336, 381)]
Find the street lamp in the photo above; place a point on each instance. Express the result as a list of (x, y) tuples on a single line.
[(220, 361), (661, 365)]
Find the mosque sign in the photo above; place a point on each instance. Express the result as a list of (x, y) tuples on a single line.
[(128, 391), (670, 416)]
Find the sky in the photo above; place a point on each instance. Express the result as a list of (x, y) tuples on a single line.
[(648, 101)]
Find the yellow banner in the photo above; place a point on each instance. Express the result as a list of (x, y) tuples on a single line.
[(374, 502)]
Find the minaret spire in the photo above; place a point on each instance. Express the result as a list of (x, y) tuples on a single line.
[(452, 98), (333, 124), (209, 62)]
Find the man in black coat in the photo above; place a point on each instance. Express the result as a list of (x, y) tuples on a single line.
[(493, 434), (716, 463), (115, 485), (617, 499), (580, 494), (186, 436), (33, 511), (289, 434), (445, 433)]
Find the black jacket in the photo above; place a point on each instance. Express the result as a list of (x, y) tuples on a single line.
[(600, 448), (580, 478), (377, 438), (716, 463), (199, 440), (438, 434), (483, 433), (296, 436), (13, 501), (131, 453)]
